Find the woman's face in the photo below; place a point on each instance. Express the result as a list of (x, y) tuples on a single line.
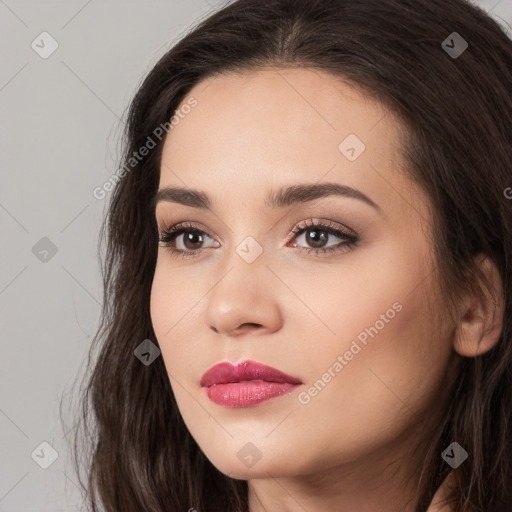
[(354, 318)]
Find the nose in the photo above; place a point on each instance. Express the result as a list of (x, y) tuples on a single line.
[(244, 300)]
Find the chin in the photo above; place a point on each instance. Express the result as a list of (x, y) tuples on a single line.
[(261, 469)]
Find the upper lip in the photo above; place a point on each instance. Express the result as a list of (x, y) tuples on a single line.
[(223, 373)]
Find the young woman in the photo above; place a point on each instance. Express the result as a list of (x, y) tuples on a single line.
[(308, 274)]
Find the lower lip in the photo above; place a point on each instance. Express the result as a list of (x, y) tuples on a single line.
[(247, 394)]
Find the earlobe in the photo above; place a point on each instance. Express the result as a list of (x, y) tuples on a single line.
[(481, 323)]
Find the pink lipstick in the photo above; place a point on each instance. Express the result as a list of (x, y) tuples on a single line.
[(246, 384)]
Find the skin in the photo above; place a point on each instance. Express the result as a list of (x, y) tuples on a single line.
[(357, 444)]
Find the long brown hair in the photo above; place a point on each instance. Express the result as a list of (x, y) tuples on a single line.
[(457, 114)]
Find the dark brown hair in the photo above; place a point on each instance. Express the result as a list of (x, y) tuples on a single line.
[(457, 114)]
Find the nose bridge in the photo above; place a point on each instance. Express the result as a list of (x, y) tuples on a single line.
[(242, 293), (243, 272), (246, 245)]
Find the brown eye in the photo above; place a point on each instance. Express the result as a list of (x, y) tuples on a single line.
[(192, 240), (185, 239), (316, 238)]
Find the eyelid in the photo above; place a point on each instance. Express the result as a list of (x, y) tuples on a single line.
[(180, 227)]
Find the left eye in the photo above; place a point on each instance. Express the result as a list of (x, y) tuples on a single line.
[(317, 238)]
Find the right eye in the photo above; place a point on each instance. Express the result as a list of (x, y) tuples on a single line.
[(190, 243)]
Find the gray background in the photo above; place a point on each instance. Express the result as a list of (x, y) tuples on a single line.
[(61, 125)]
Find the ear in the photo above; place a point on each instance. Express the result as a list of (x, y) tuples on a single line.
[(439, 501), (481, 321)]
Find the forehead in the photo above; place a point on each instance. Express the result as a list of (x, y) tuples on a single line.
[(291, 106), (261, 129)]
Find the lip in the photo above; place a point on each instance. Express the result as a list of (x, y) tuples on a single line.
[(246, 384)]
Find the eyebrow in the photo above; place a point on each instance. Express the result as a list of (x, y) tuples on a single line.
[(287, 196)]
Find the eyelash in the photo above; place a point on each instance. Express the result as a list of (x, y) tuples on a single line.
[(169, 234)]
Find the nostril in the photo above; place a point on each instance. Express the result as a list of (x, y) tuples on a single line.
[(249, 324)]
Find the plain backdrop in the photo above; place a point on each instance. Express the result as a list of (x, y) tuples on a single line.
[(61, 121)]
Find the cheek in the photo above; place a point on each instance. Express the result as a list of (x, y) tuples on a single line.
[(173, 294), (168, 308), (176, 301), (362, 299), (392, 364), (160, 306), (377, 348)]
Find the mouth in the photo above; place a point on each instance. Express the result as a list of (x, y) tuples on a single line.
[(246, 384)]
